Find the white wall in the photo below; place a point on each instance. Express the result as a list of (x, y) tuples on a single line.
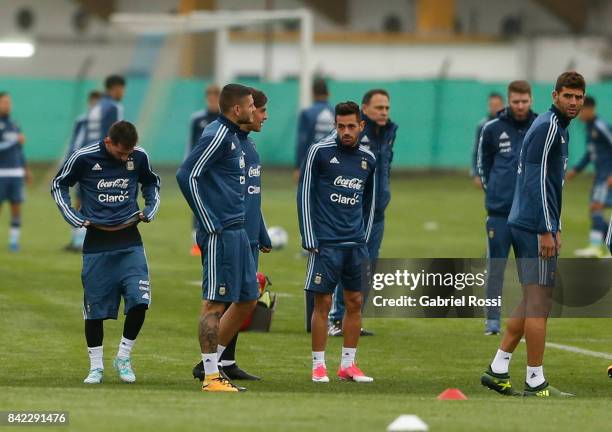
[(536, 59), (61, 51)]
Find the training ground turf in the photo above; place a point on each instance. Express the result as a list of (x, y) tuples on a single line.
[(43, 357)]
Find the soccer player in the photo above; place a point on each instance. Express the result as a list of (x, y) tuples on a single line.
[(501, 141), (535, 225), (599, 151), (107, 111), (253, 223), (114, 261), (378, 136), (13, 169), (199, 120), (314, 124), (212, 180), (77, 141), (336, 204), (494, 105)]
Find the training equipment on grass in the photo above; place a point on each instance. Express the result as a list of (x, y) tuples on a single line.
[(452, 394), (408, 423)]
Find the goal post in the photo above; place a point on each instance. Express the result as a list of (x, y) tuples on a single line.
[(221, 22)]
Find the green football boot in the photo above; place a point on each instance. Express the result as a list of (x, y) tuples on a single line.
[(499, 382), (545, 390)]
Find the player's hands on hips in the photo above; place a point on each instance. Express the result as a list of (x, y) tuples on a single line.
[(86, 224), (313, 250), (570, 174), (265, 249), (143, 218), (547, 245)]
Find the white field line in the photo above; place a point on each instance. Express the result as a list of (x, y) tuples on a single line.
[(577, 350)]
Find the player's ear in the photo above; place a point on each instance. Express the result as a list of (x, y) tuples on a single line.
[(361, 126), (555, 95)]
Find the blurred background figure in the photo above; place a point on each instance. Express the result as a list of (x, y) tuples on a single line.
[(494, 105), (12, 168), (599, 152), (500, 145), (77, 141), (199, 120), (314, 124), (107, 110)]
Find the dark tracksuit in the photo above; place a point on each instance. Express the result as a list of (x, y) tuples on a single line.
[(379, 140), (314, 124), (197, 123), (599, 151), (336, 208), (474, 162), (212, 180), (12, 164), (114, 262), (101, 117), (254, 221), (536, 206), (498, 153)]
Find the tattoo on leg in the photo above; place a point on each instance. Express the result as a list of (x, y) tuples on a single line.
[(209, 331)]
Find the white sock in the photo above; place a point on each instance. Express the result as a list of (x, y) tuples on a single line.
[(125, 348), (225, 363), (535, 376), (348, 357), (220, 349), (318, 359), (96, 356), (14, 233), (210, 363), (501, 362)]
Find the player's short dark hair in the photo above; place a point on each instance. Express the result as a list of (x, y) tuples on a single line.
[(496, 95), (3, 93), (519, 86), (319, 88), (259, 97), (371, 93), (230, 96), (589, 101), (572, 80), (124, 133), (113, 81), (94, 94), (348, 108)]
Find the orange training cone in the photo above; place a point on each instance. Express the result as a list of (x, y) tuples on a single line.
[(451, 394)]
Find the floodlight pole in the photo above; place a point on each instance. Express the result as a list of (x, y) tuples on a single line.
[(306, 43), (221, 43)]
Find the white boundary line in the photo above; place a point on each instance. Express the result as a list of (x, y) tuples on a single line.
[(577, 350)]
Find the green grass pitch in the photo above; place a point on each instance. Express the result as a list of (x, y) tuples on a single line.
[(43, 357)]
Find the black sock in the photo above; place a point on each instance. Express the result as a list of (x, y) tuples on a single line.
[(94, 332), (229, 354), (133, 321)]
